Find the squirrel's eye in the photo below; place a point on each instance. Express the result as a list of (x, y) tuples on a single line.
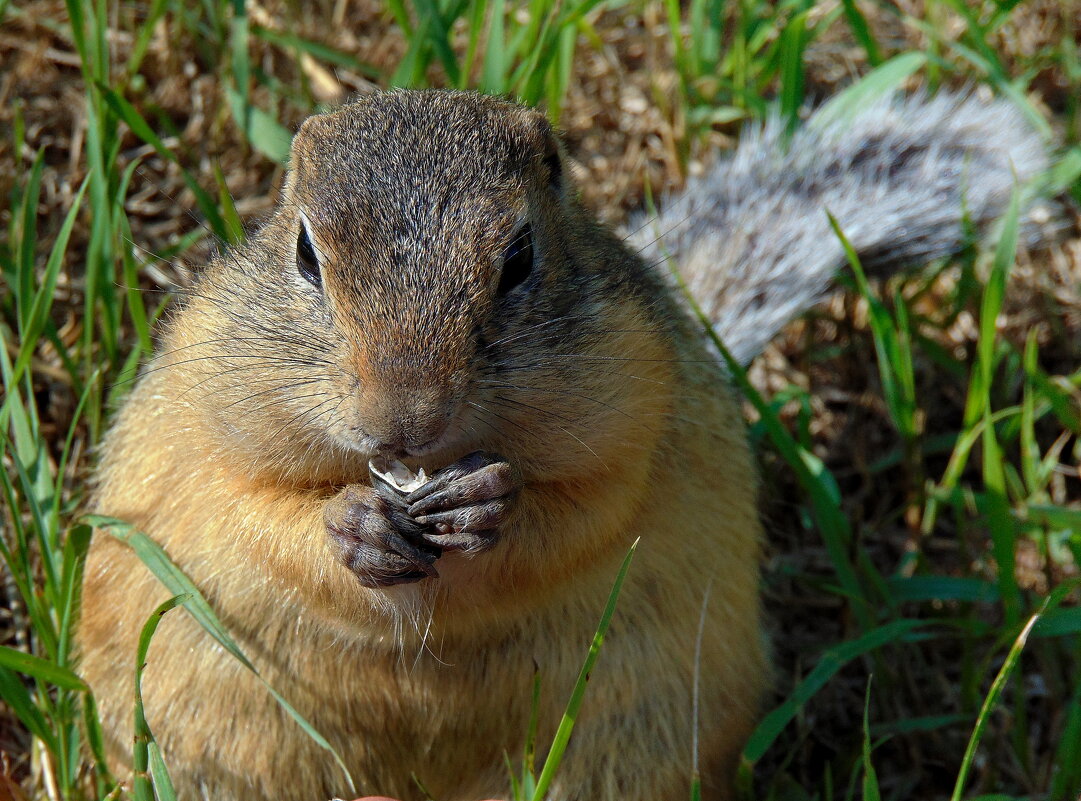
[(517, 260), (307, 263)]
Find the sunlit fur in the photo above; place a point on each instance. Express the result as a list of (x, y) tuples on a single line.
[(269, 393), (265, 400)]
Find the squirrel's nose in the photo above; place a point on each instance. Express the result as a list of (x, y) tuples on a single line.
[(403, 420), (405, 437), (404, 399)]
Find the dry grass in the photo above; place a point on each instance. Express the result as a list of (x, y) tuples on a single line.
[(625, 134)]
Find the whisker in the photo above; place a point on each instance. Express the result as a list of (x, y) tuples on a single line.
[(542, 366), (601, 358), (545, 412), (505, 420), (566, 392), (555, 337), (661, 235), (532, 328), (561, 428), (268, 360), (230, 340), (302, 414), (280, 401)]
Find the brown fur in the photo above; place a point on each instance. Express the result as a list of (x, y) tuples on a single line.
[(590, 381)]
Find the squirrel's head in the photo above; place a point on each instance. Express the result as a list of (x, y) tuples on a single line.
[(434, 285)]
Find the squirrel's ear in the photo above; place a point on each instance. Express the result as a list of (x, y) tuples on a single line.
[(311, 131), (305, 149), (553, 162), (546, 142)]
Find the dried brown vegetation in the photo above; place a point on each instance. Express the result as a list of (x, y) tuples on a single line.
[(631, 136)]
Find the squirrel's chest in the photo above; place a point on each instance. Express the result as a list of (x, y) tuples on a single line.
[(443, 712)]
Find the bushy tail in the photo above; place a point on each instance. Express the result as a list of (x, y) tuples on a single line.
[(752, 239)]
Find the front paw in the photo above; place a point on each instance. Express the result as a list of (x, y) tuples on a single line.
[(377, 541), (465, 503)]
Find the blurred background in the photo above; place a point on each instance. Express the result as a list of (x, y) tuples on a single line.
[(919, 454)]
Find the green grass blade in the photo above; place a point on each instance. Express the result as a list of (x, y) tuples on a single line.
[(559, 74), (142, 788), (862, 31), (439, 38), (17, 697), (139, 126), (679, 50), (878, 83), (173, 578), (75, 549), (411, 69), (793, 42), (828, 664), (1003, 530), (24, 288), (494, 69), (1057, 516), (813, 476), (228, 208), (976, 36), (34, 500), (920, 724), (891, 345), (1030, 450), (316, 50), (240, 64), (990, 306), (41, 669), (528, 78), (475, 27), (43, 298), (993, 73), (515, 788), (566, 725), (1060, 394), (1067, 780), (942, 588), (175, 581), (265, 133), (870, 778), (401, 16), (959, 459), (163, 784), (95, 739), (135, 296), (17, 558), (1059, 623), (145, 34), (988, 704)]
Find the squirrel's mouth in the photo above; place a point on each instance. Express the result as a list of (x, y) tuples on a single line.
[(449, 442), (443, 449)]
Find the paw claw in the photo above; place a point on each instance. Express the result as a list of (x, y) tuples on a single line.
[(378, 542), (466, 502)]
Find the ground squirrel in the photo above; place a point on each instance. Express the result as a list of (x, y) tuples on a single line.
[(429, 288)]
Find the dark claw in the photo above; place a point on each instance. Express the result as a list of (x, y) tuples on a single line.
[(379, 543), (388, 538), (469, 518), (484, 482), (465, 503), (464, 541), (468, 464)]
